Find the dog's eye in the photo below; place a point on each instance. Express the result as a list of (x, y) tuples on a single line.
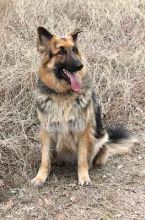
[(75, 49), (62, 51)]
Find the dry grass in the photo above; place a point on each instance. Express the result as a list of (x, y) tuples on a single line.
[(113, 42)]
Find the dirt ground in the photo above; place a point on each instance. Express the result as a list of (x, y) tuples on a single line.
[(113, 43), (118, 192)]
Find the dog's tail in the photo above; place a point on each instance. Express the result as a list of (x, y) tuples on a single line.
[(119, 140)]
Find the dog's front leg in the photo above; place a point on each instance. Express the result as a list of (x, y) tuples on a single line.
[(45, 165), (83, 165)]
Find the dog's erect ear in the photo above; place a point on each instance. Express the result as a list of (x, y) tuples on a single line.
[(43, 36), (74, 35)]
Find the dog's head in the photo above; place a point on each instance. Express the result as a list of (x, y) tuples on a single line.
[(61, 57)]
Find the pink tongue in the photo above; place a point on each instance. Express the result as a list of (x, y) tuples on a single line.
[(75, 84)]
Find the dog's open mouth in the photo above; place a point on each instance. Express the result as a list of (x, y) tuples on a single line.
[(75, 84)]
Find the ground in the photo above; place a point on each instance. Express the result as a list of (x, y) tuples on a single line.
[(113, 43), (118, 192)]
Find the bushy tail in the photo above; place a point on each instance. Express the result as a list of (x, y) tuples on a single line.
[(119, 141)]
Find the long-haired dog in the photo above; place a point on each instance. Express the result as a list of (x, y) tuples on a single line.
[(72, 128)]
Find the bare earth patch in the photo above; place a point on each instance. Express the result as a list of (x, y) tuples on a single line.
[(117, 192), (113, 42)]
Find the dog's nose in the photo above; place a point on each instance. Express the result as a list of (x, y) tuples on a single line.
[(78, 65), (74, 65)]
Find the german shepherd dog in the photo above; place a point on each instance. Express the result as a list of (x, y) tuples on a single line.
[(72, 127)]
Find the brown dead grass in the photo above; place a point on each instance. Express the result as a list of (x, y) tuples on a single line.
[(113, 42)]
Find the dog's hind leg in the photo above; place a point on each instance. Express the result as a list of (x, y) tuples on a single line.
[(101, 157), (45, 165)]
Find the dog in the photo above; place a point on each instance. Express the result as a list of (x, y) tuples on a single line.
[(72, 125)]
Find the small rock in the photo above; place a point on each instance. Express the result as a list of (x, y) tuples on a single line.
[(120, 167), (139, 157), (104, 176), (14, 191), (72, 198)]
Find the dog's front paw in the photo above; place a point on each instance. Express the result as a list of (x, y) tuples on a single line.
[(38, 181), (84, 180)]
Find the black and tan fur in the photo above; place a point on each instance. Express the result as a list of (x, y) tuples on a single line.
[(72, 129)]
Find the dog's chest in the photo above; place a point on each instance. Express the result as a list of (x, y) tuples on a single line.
[(64, 117), (66, 146)]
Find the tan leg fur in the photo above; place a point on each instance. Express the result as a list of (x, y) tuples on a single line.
[(83, 163), (45, 160)]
